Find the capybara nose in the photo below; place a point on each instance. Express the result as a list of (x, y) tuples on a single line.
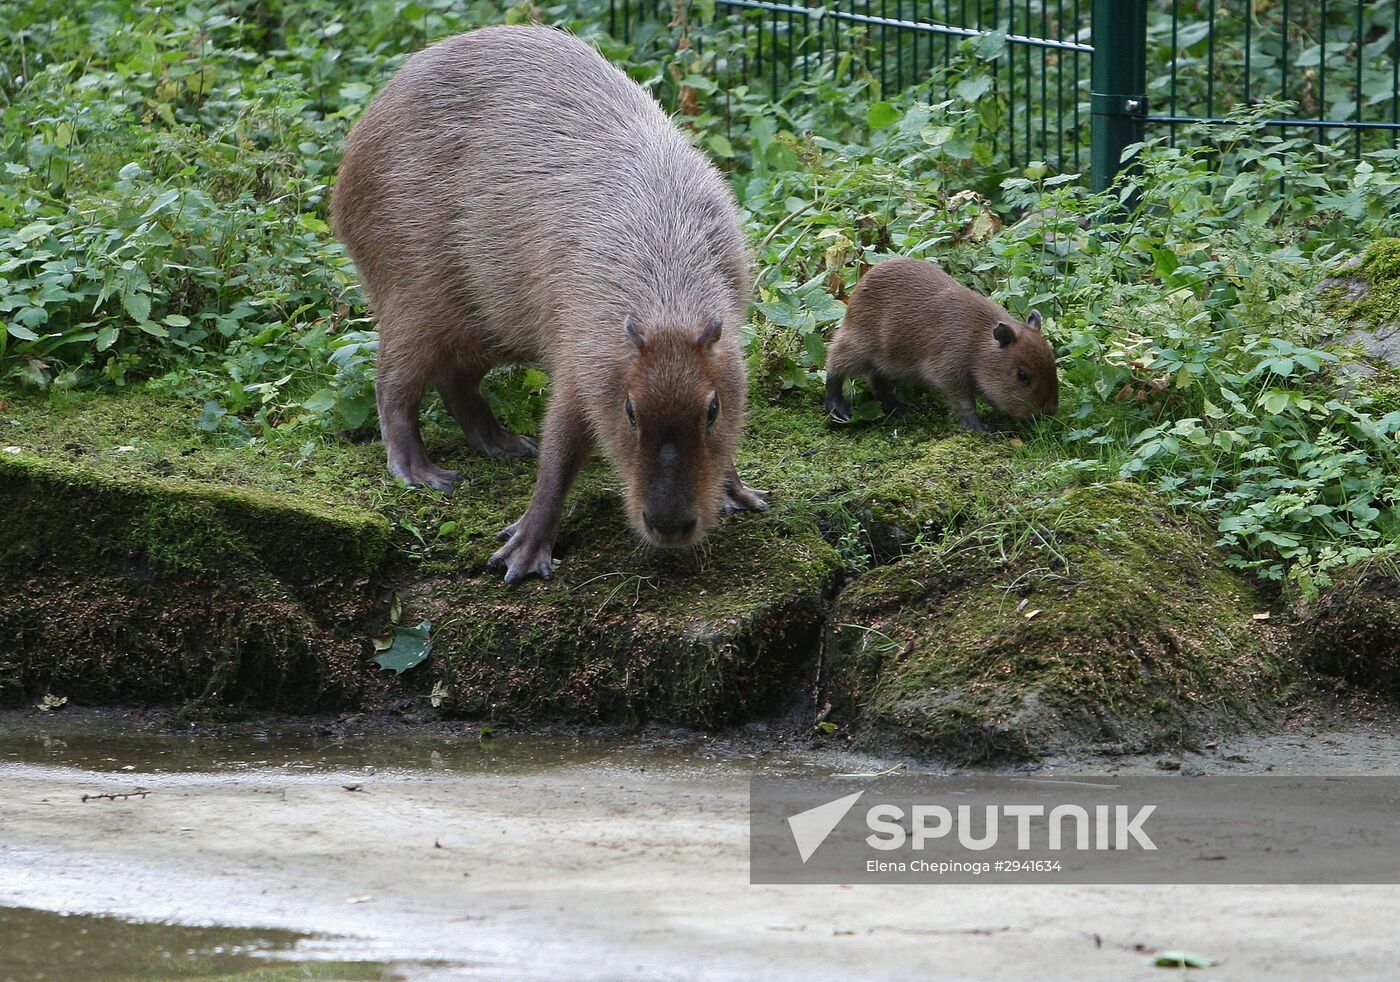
[(669, 527)]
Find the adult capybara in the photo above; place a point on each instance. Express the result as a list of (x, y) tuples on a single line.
[(510, 196), (908, 321)]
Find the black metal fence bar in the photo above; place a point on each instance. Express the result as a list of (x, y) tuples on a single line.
[(1337, 62)]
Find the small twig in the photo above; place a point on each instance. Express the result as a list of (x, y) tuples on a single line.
[(938, 932), (114, 795), (779, 227)]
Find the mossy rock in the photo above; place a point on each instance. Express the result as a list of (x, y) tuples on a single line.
[(1379, 304), (1096, 619), (703, 638), (1353, 630)]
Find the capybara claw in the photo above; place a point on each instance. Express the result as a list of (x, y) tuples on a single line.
[(521, 560), (427, 476), (738, 496), (504, 534), (509, 446), (839, 411)]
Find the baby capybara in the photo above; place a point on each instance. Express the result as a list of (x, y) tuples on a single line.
[(510, 196), (908, 321)]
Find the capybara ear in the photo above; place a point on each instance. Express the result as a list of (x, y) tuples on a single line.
[(710, 334), (1004, 333), (1034, 320), (635, 332)]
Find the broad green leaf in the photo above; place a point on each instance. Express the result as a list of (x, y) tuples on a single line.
[(409, 648), (21, 333), (881, 114), (719, 145), (973, 87), (138, 305)]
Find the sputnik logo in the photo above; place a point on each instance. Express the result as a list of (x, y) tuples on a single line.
[(810, 828)]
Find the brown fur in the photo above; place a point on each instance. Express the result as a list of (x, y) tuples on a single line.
[(511, 196), (908, 321)]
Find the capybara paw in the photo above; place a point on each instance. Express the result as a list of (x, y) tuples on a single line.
[(504, 534), (738, 496), (839, 410), (426, 475), (520, 558), (977, 426), (508, 446)]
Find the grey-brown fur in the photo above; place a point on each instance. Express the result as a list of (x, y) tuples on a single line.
[(510, 196), (908, 321)]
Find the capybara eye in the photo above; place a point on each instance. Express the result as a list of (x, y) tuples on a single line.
[(1022, 377), (714, 410), (631, 413)]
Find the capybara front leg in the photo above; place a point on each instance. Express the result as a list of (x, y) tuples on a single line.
[(461, 394), (836, 405), (965, 405), (529, 543), (738, 496), (842, 362), (398, 391)]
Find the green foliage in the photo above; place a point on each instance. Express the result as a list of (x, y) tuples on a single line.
[(164, 177)]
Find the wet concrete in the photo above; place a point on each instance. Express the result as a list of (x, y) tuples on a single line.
[(433, 855)]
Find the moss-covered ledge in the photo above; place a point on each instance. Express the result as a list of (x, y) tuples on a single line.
[(1106, 623), (143, 559), (149, 560), (154, 588)]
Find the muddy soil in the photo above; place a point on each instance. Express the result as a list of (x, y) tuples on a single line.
[(429, 853)]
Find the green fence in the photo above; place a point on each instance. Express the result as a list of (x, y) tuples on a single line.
[(1074, 79)]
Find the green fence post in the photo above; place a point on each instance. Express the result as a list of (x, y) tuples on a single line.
[(1117, 83)]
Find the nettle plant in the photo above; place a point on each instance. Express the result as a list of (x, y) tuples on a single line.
[(1204, 357), (163, 179)]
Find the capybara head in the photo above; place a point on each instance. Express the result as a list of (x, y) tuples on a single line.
[(1016, 370), (676, 427)]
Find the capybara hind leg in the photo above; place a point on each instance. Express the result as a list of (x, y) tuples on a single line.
[(738, 496), (529, 542), (461, 394), (398, 388), (883, 389)]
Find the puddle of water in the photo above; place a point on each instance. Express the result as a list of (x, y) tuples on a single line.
[(40, 946), (103, 750)]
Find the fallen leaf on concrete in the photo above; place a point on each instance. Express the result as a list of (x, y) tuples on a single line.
[(1181, 959)]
